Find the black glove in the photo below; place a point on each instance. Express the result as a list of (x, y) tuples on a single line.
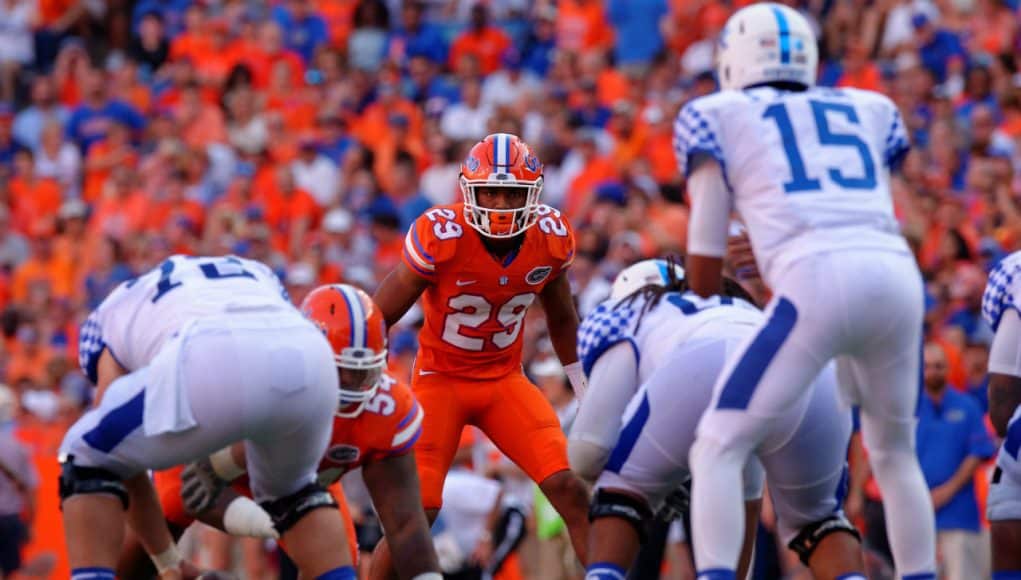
[(677, 503), (200, 486)]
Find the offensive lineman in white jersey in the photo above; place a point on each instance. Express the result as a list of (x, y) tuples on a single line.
[(1000, 307), (807, 169), (657, 350), (195, 355)]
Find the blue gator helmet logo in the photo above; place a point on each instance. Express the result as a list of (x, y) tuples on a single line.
[(532, 163), (472, 163)]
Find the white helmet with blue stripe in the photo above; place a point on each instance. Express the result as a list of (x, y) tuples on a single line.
[(765, 43), (641, 274)]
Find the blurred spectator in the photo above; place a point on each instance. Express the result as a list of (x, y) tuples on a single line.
[(304, 26), (16, 44), (467, 120), (637, 25), (45, 109), (367, 43), (938, 48), (150, 46), (91, 120), (35, 198), (404, 192), (18, 483), (416, 37), (507, 85), (316, 173), (481, 40), (13, 246), (8, 144), (952, 442), (582, 25)]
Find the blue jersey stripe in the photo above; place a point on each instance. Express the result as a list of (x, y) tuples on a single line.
[(117, 424), (738, 390), (1012, 444), (785, 38), (629, 436)]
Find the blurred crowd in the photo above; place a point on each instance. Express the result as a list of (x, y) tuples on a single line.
[(309, 134)]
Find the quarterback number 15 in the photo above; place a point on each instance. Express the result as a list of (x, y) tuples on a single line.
[(800, 180)]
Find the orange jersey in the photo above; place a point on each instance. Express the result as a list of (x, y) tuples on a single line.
[(475, 305), (388, 426)]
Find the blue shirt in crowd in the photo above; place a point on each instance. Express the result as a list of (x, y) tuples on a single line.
[(637, 25), (302, 36), (948, 433), (87, 125)]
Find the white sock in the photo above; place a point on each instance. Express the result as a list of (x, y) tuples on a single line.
[(717, 505)]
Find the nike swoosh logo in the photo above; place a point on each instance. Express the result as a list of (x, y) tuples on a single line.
[(425, 373), (465, 282)]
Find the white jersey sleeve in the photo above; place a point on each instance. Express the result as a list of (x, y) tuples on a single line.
[(696, 138), (135, 320), (609, 324), (1002, 290)]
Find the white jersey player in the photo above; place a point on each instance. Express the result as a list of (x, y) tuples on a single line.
[(657, 351), (197, 354), (807, 169), (1000, 307)]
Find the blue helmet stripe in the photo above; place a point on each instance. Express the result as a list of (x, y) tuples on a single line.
[(663, 271), (358, 322), (785, 38)]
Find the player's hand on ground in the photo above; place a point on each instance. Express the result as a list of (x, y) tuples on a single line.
[(200, 486), (677, 503)]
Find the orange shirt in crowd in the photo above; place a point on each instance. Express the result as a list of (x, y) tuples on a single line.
[(119, 217), (162, 212), (261, 63), (372, 126), (193, 46), (206, 127), (612, 86), (659, 154), (29, 363), (582, 25), (487, 45), (33, 201), (104, 156), (339, 17), (56, 272), (596, 171), (868, 77)]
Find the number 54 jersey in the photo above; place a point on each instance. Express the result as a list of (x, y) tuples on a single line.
[(475, 306), (807, 171)]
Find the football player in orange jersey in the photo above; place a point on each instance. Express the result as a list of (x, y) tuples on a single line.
[(478, 266), (377, 424)]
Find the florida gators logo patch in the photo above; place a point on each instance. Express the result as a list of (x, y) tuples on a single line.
[(343, 454), (537, 275), (532, 163), (472, 163)]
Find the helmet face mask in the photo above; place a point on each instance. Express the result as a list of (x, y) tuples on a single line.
[(357, 387), (497, 162), (765, 43), (505, 222)]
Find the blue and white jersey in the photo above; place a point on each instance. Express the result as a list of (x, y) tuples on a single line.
[(677, 318), (808, 172), (1003, 290), (138, 317)]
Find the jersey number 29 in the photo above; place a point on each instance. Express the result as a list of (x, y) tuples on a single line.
[(800, 181), (472, 311)]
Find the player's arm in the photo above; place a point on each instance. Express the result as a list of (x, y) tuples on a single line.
[(398, 292), (707, 229), (1005, 371), (612, 384), (562, 322), (393, 486), (205, 493), (108, 370), (145, 515)]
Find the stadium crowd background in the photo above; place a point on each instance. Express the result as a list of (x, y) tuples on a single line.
[(310, 133)]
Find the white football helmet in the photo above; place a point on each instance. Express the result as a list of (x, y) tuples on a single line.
[(654, 272), (764, 43)]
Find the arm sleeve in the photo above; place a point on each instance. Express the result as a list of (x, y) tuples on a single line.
[(696, 140), (710, 211), (1005, 353), (612, 384), (897, 142)]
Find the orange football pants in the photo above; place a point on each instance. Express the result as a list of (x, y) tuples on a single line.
[(510, 410), (168, 489)]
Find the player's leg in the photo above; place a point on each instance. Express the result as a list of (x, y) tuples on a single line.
[(1004, 505), (525, 428), (289, 418), (445, 402), (807, 476), (770, 374)]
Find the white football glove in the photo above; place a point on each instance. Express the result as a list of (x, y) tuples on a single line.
[(200, 486)]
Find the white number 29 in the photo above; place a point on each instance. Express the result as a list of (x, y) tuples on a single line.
[(444, 226), (550, 221), (472, 311)]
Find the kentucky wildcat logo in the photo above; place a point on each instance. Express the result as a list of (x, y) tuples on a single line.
[(537, 275)]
